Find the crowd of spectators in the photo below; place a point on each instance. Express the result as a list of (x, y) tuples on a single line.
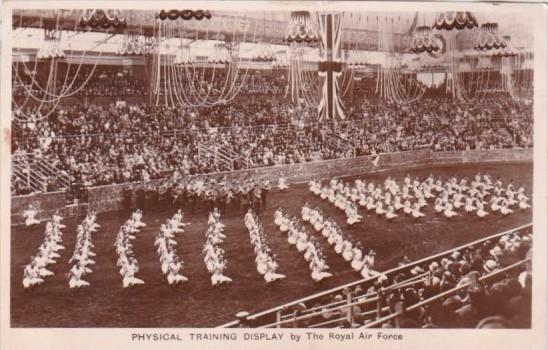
[(80, 81), (478, 293), (116, 82), (105, 143)]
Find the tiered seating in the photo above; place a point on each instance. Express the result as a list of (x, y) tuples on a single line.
[(149, 143)]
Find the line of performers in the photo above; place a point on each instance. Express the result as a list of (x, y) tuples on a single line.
[(305, 243), (342, 243), (214, 255), (265, 260), (124, 248), (191, 194), (412, 195), (36, 271), (83, 254), (165, 244)]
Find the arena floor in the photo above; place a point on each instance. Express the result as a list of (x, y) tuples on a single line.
[(197, 304)]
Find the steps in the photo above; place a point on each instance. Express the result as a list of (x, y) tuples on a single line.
[(36, 172)]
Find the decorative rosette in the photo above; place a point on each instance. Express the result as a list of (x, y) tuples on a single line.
[(301, 29), (424, 41), (104, 18), (488, 38), (450, 20), (51, 48), (183, 14)]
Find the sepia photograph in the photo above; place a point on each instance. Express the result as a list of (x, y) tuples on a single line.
[(281, 168)]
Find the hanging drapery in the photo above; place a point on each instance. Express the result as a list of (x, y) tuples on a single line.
[(330, 67), (179, 79), (394, 82), (46, 94)]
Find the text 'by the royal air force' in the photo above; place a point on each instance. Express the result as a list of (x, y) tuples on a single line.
[(305, 336)]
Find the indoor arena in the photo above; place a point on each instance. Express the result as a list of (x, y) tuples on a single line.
[(275, 169)]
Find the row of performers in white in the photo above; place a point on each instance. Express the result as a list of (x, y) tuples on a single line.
[(411, 196), (265, 261), (83, 254), (165, 244), (341, 243), (127, 262), (214, 255), (305, 243), (35, 272)]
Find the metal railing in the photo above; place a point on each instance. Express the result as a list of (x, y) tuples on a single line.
[(36, 172), (219, 158), (397, 315), (282, 315), (337, 141)]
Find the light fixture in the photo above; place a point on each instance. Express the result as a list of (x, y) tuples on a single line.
[(300, 28), (488, 38)]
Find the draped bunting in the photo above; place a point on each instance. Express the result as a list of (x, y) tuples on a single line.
[(488, 38), (455, 20), (105, 18), (330, 67), (184, 15)]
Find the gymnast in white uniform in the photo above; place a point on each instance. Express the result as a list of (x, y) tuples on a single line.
[(30, 216)]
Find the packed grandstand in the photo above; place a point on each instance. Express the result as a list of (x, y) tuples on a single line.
[(149, 147)]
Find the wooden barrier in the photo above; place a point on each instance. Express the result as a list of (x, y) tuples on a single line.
[(110, 198)]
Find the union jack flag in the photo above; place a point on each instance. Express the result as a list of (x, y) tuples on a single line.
[(330, 67)]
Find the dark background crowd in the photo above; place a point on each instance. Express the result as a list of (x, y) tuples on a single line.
[(105, 143)]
